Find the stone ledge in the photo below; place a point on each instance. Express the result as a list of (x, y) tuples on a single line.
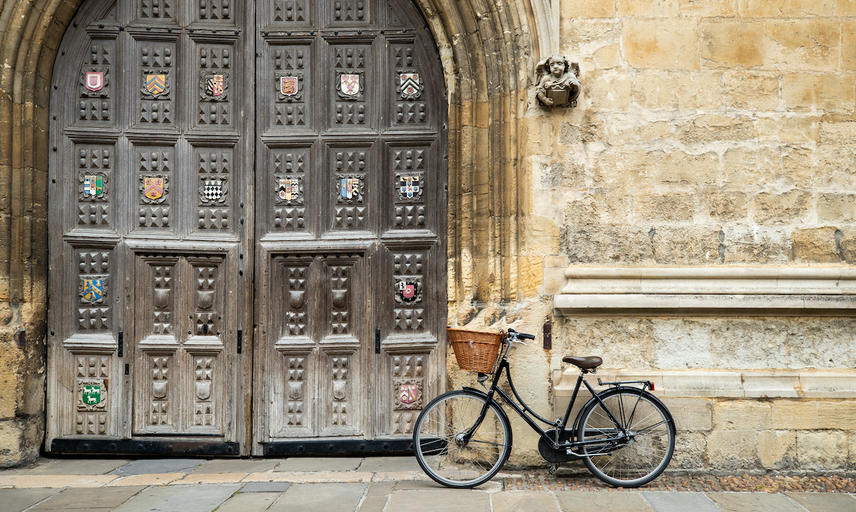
[(708, 383), (688, 289)]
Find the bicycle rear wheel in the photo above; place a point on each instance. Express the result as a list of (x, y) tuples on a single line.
[(443, 448), (641, 455)]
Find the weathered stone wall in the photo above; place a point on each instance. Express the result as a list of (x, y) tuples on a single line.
[(708, 133)]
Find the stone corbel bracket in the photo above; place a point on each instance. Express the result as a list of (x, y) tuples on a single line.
[(694, 290)]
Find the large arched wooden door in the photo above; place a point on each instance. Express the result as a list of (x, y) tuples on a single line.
[(243, 267), (350, 215)]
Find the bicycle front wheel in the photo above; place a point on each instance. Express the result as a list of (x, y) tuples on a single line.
[(634, 458), (456, 445)]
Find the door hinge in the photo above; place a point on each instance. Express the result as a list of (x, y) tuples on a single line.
[(121, 350), (377, 341), (240, 340)]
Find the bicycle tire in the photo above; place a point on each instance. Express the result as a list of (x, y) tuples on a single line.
[(652, 436), (440, 426)]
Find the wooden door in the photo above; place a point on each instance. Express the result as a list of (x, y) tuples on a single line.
[(350, 202), (196, 221), (151, 228)]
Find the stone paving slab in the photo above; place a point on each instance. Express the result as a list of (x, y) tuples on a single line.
[(144, 466), (252, 502), (16, 500), (386, 464), (336, 497), (148, 479), (680, 502), (266, 487), (439, 500), (47, 466), (814, 502), (320, 464), (377, 496), (524, 501), (613, 501), (751, 502), (55, 481), (237, 465), (184, 498), (87, 499), (210, 478), (313, 477)]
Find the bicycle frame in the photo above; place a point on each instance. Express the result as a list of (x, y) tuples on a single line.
[(560, 424)]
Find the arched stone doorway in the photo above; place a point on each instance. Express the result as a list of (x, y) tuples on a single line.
[(487, 52)]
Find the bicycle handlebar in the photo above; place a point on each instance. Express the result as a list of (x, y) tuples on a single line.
[(521, 335)]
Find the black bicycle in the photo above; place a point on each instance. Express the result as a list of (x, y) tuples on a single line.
[(624, 434)]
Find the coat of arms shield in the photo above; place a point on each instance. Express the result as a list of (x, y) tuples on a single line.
[(91, 394), (155, 84), (349, 85), (93, 185), (409, 186), (93, 290), (410, 85), (349, 188), (153, 187), (288, 188), (94, 80), (215, 85), (288, 85)]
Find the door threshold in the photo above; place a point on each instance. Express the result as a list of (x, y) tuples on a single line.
[(79, 446), (343, 447)]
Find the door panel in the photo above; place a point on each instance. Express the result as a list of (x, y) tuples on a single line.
[(187, 206), (149, 216), (351, 251)]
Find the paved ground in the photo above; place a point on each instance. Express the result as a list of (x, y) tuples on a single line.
[(385, 484)]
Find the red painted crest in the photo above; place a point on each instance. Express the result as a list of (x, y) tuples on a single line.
[(94, 80)]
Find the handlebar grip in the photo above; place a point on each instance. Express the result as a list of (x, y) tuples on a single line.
[(524, 336)]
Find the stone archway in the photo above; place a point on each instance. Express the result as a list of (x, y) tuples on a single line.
[(488, 50)]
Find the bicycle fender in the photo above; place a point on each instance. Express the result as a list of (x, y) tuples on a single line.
[(607, 392)]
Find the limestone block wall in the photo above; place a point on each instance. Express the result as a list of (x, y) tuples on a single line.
[(708, 134)]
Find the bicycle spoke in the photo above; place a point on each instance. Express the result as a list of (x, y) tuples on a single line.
[(453, 461), (623, 460)]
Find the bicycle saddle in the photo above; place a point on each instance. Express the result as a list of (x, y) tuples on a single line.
[(586, 363)]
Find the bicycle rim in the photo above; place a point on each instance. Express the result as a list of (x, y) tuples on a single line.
[(443, 453), (634, 460)]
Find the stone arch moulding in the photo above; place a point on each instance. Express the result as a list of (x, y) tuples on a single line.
[(487, 48)]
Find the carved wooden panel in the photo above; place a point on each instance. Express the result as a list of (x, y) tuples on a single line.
[(351, 13), (408, 96), (351, 190), (156, 10), (94, 297), (408, 390), (96, 103), (182, 351), (155, 79), (291, 86), (215, 11), (291, 13), (214, 180), (408, 273), (95, 164), (289, 188), (92, 394), (352, 83), (153, 166), (413, 186), (216, 89)]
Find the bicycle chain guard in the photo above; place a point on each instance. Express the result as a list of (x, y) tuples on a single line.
[(551, 455)]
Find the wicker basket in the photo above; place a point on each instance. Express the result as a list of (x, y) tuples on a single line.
[(475, 350)]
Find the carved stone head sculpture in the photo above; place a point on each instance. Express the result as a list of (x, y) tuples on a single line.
[(558, 82)]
